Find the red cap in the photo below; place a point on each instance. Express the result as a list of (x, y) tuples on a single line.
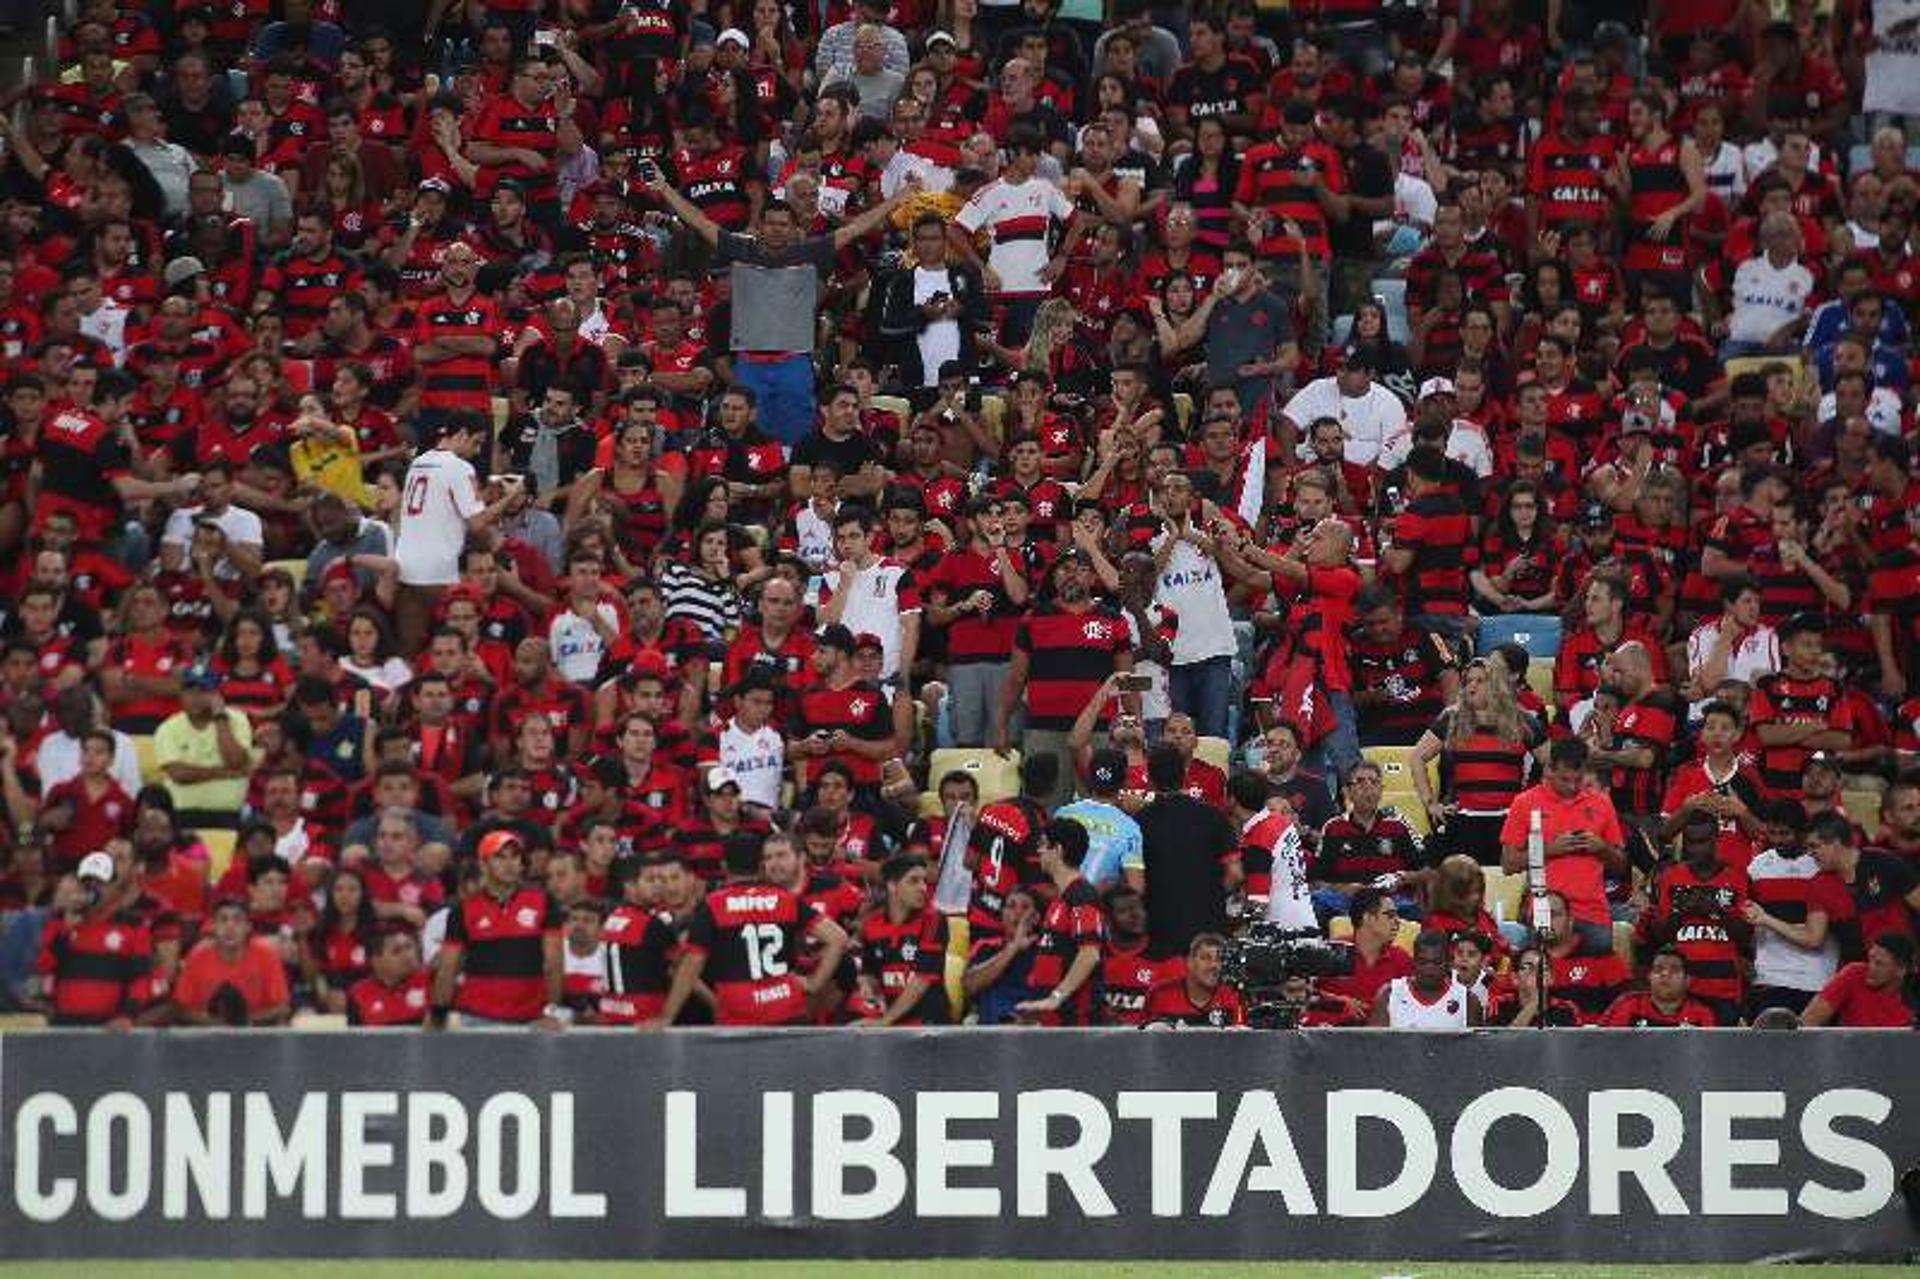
[(493, 843), (867, 639)]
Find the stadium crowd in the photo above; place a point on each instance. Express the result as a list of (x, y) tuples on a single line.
[(652, 512)]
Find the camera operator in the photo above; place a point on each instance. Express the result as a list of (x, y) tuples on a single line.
[(1376, 960)]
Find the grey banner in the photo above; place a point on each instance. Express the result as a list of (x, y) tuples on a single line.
[(1649, 1146)]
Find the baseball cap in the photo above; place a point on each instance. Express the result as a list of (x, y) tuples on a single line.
[(238, 145), (734, 35), (180, 270), (495, 842), (1108, 769), (436, 186), (200, 675), (1355, 358), (719, 777), (942, 37), (1595, 515), (867, 639), (837, 636), (96, 866), (1436, 386)]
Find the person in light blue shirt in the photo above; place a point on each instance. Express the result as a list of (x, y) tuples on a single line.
[(1115, 851)]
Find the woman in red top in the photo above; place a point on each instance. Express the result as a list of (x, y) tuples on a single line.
[(342, 201), (256, 679), (141, 677), (335, 956), (634, 491)]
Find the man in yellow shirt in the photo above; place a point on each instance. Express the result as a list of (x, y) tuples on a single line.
[(205, 752)]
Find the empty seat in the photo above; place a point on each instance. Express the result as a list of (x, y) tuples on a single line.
[(1863, 806), (1217, 751), (149, 767), (997, 778), (220, 845), (1538, 633)]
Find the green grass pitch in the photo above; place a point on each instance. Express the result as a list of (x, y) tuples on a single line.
[(953, 1269)]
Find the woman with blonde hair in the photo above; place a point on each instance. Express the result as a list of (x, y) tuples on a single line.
[(1487, 747)]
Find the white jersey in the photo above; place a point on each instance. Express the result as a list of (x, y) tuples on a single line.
[(1369, 420), (578, 647), (1407, 1011), (757, 758), (1191, 584), (1289, 894), (1777, 961), (440, 495), (877, 597), (1019, 216), (1767, 298)]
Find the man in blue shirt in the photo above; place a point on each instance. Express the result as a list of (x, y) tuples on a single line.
[(1114, 847)]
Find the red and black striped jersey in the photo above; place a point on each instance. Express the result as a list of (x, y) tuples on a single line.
[(1073, 919), (303, 285), (751, 934), (719, 183), (1781, 698), (1437, 528), (99, 967), (1127, 976), (1280, 180), (504, 122), (1694, 911), (461, 381), (1645, 723), (1350, 853), (642, 946), (1407, 670), (1657, 182), (894, 954), (1565, 179), (1070, 653), (502, 943)]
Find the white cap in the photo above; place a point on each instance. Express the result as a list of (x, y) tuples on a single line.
[(1436, 386), (719, 777), (736, 35), (96, 866)]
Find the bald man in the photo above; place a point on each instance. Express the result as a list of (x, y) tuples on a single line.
[(1634, 740)]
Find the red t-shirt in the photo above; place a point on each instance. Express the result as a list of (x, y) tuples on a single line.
[(1856, 1004), (1578, 878)]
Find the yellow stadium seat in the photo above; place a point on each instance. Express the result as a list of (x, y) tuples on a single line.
[(896, 405), (1217, 751), (1504, 893), (959, 942), (1340, 928), (149, 764), (993, 416), (1623, 943), (929, 805), (296, 569), (1540, 679), (220, 845), (1396, 767), (997, 778), (1406, 805), (1863, 806)]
